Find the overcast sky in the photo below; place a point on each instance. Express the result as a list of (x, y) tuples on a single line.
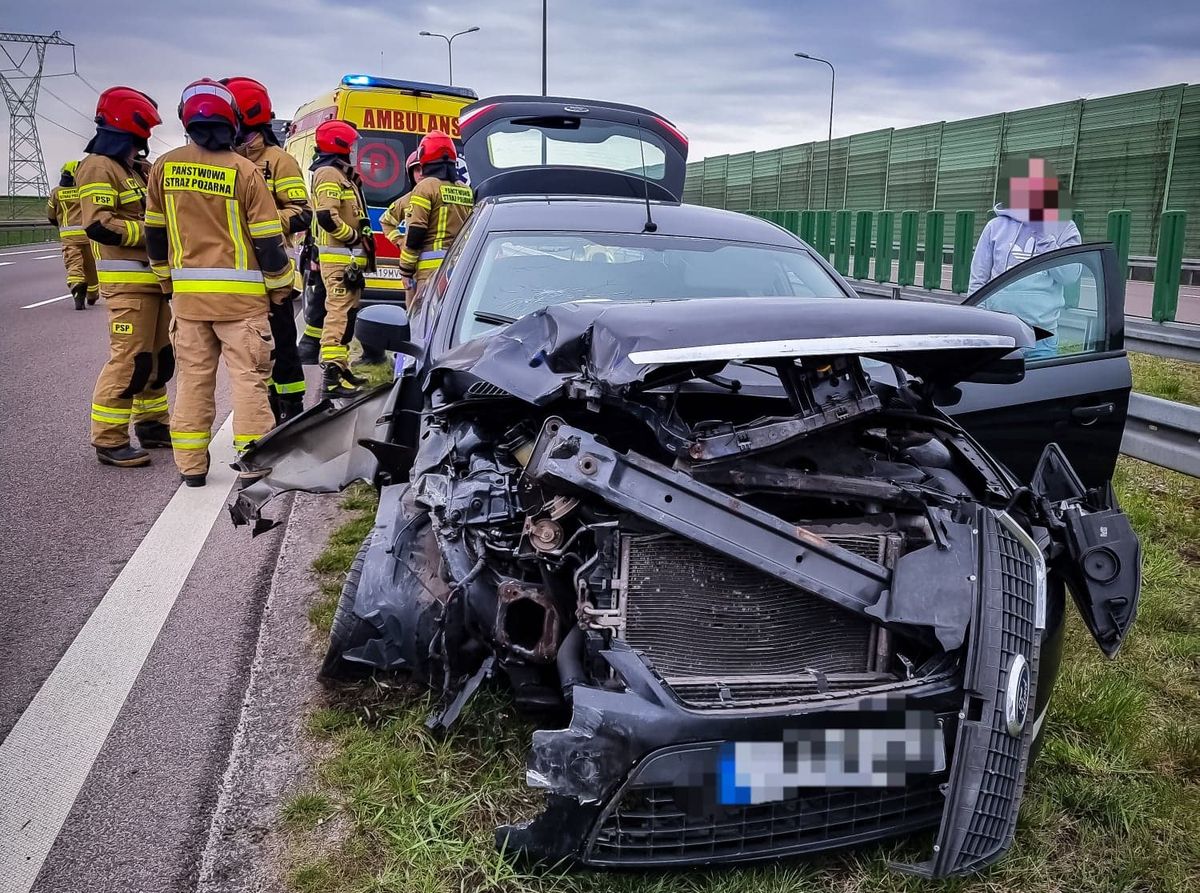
[(723, 71)]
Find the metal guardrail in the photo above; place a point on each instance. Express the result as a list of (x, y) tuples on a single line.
[(1163, 432), (25, 232), (1159, 431)]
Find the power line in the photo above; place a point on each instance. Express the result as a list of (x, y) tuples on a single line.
[(86, 81), (63, 127)]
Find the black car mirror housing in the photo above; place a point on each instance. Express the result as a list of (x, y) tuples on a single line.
[(385, 327)]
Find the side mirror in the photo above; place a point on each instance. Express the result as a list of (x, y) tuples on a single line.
[(385, 327)]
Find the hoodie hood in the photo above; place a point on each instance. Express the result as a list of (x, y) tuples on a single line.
[(215, 136)]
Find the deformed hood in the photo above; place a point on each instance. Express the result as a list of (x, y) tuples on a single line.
[(616, 345)]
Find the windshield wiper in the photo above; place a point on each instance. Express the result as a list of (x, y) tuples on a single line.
[(493, 319)]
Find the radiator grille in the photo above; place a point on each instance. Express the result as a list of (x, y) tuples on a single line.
[(994, 816), (647, 826), (693, 612), (759, 691)]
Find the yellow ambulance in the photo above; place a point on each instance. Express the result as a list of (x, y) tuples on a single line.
[(391, 116)]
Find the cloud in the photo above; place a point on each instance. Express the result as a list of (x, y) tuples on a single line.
[(723, 72)]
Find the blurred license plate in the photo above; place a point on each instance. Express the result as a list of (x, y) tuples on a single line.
[(766, 771), (386, 273)]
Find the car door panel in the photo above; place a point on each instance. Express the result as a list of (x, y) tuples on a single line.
[(1077, 397)]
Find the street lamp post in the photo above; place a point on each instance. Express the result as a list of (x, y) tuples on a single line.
[(544, 3), (829, 142), (450, 45)]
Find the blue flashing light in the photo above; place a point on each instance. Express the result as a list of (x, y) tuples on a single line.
[(359, 80)]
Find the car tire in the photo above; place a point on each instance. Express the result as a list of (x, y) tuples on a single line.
[(348, 629)]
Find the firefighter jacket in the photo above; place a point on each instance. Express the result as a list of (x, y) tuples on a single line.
[(341, 213), (394, 221), (282, 173), (437, 212), (214, 236), (62, 209), (112, 205)]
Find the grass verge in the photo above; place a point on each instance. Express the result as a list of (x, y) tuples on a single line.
[(1113, 803), (1162, 377)]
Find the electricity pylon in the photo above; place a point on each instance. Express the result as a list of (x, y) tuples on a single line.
[(26, 166)]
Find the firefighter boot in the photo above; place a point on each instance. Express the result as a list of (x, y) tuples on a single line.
[(287, 407), (308, 349), (338, 382), (198, 480), (79, 292), (152, 435), (126, 456)]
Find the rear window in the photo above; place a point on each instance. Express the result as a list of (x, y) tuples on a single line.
[(576, 142), (518, 273)]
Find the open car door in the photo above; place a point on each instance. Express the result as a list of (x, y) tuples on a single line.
[(1075, 391), (548, 145)]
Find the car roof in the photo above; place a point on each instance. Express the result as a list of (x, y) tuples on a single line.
[(621, 215)]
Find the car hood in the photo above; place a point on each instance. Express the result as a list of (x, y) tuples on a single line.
[(621, 345)]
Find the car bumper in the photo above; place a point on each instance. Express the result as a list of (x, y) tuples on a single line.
[(634, 780)]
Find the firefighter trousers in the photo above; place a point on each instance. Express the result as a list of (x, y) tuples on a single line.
[(246, 346), (133, 383), (341, 306), (287, 375), (81, 267), (314, 310)]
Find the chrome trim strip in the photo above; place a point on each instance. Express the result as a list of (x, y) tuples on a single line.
[(853, 344), (1039, 563)]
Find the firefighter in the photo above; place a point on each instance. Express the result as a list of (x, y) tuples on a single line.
[(257, 141), (394, 221), (62, 209), (341, 232), (112, 190), (216, 244), (438, 208)]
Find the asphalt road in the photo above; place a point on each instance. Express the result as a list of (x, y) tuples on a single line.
[(67, 528)]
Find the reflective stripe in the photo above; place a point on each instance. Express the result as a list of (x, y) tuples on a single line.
[(242, 441), (433, 255), (117, 414), (312, 331), (133, 233), (90, 189), (281, 280), (215, 273), (129, 196), (162, 271), (75, 280), (218, 287), (419, 201), (407, 256), (155, 218), (344, 232), (190, 440), (334, 352), (432, 264), (173, 233), (439, 235), (68, 232), (266, 228), (123, 278), (289, 183), (330, 189), (121, 265), (235, 233), (290, 387), (154, 404), (341, 256), (345, 252)]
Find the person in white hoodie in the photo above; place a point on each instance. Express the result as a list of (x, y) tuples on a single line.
[(1035, 222)]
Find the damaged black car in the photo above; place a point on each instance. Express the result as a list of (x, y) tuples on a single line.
[(779, 569)]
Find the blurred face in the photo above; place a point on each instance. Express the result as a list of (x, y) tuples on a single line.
[(1035, 194), (416, 173)]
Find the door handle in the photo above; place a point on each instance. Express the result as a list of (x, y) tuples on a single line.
[(1089, 415)]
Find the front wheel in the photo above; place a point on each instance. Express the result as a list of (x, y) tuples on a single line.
[(348, 630)]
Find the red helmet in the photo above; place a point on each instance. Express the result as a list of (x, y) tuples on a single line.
[(436, 146), (336, 137), (207, 99), (127, 109), (412, 161), (253, 102)]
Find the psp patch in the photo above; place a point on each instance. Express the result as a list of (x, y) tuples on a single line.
[(122, 328)]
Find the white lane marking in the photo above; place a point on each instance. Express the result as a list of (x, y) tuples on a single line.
[(26, 251), (46, 757), (45, 302), (6, 263), (49, 257)]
